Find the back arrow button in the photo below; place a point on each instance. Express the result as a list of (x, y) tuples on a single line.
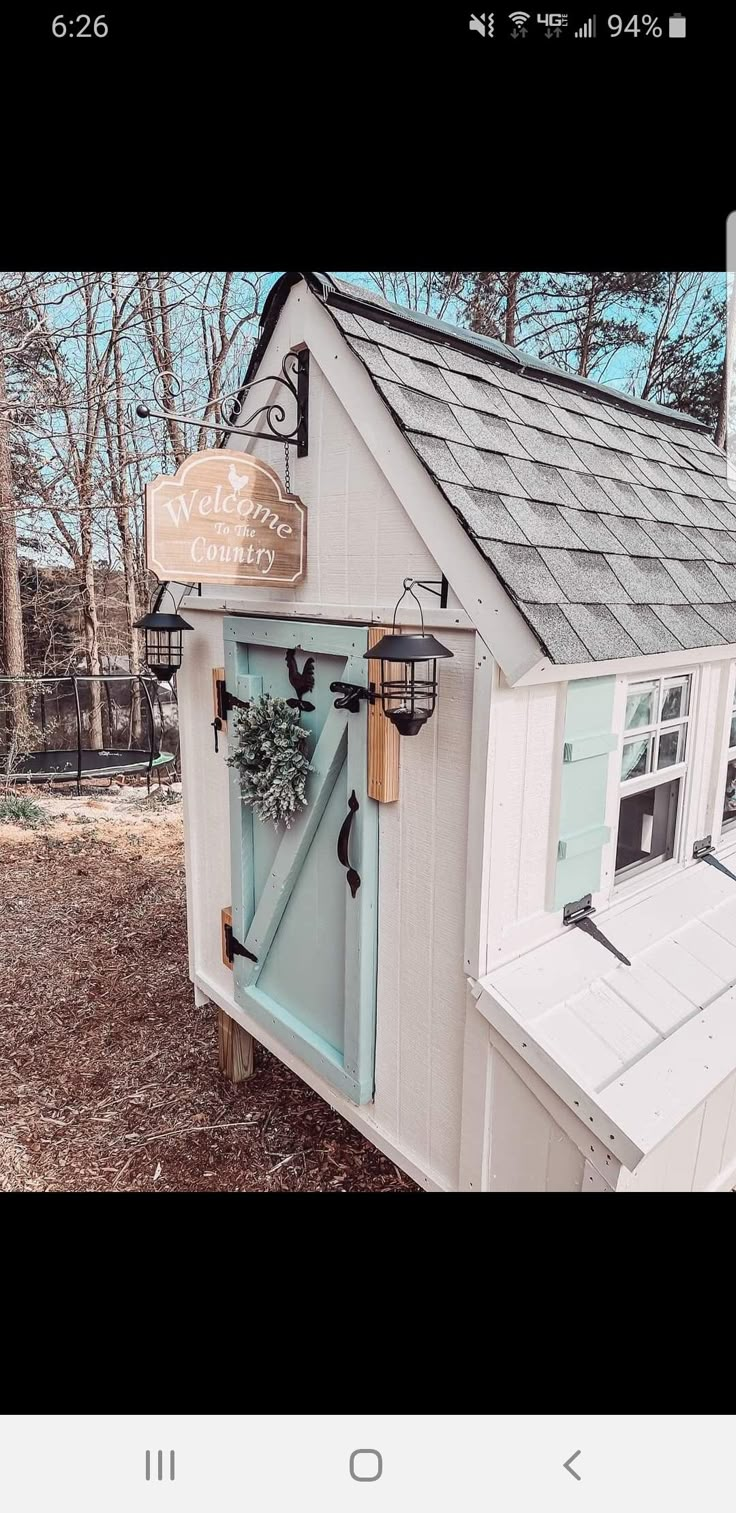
[(568, 1465)]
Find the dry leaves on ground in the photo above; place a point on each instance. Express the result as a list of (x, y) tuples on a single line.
[(108, 1073)]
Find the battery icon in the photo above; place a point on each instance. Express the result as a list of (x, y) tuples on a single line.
[(677, 25)]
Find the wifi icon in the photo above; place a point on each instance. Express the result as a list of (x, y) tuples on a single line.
[(519, 18)]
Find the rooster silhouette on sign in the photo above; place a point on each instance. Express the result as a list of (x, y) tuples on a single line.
[(237, 480), (302, 682)]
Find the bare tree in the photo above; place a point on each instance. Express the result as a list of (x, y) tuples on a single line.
[(428, 293), (12, 612)]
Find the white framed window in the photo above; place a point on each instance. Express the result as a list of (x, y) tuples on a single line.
[(729, 793), (654, 757)]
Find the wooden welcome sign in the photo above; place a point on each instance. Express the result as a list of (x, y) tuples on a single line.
[(224, 518)]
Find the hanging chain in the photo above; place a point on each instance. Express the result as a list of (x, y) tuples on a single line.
[(287, 475)]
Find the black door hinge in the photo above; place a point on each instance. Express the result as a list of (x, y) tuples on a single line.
[(226, 701), (233, 947), (578, 913), (703, 852)]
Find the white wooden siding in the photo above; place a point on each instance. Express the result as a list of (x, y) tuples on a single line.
[(518, 1136), (699, 1156), (421, 920)]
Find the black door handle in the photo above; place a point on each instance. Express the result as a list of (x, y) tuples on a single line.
[(343, 838)]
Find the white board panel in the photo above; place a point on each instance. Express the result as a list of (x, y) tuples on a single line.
[(713, 1154), (682, 971), (710, 948)]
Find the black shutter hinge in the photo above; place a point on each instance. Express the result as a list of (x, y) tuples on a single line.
[(233, 947), (226, 700), (578, 913), (703, 852)]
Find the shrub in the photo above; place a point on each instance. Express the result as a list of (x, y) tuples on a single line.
[(21, 811)]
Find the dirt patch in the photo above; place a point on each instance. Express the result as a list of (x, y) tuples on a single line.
[(108, 1073)]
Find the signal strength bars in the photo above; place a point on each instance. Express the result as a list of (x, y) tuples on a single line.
[(588, 30)]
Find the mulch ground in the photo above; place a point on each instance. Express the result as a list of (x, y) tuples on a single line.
[(108, 1073)]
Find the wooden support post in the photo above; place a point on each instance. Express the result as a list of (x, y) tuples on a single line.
[(235, 1048), (383, 737), (234, 1044)]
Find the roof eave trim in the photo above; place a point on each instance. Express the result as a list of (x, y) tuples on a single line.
[(547, 671)]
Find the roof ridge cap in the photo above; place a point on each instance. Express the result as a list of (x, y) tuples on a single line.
[(440, 332)]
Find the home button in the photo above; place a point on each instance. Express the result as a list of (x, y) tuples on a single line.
[(366, 1465)]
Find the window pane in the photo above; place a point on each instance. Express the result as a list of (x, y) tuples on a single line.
[(646, 826), (729, 798), (732, 737), (635, 758), (675, 699), (641, 705), (669, 747)]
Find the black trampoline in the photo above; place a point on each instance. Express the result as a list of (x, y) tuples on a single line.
[(55, 766), (66, 706)]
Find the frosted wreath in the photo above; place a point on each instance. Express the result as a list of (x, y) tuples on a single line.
[(270, 758)]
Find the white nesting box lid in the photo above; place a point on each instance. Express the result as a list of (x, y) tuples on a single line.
[(632, 1050)]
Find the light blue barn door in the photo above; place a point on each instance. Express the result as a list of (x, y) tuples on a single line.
[(296, 907)]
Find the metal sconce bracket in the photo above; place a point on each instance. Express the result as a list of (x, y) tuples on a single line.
[(578, 913), (294, 377), (437, 586), (352, 693)]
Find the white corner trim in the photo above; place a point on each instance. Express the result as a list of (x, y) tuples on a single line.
[(480, 785)]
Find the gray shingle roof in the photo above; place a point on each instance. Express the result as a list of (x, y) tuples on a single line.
[(608, 521)]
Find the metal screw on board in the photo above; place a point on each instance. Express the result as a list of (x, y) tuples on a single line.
[(376, 1463)]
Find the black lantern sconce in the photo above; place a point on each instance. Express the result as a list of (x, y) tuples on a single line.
[(408, 688), (163, 638)]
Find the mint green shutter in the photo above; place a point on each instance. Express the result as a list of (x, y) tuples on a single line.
[(589, 739)]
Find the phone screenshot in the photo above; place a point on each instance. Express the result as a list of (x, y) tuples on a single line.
[(368, 650)]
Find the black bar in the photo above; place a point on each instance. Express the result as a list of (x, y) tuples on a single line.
[(302, 403), (144, 686), (714, 862), (73, 682), (592, 930)]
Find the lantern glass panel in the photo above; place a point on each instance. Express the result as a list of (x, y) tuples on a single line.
[(409, 693), (163, 649)]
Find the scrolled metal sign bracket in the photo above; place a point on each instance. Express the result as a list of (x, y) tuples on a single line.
[(226, 414)]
